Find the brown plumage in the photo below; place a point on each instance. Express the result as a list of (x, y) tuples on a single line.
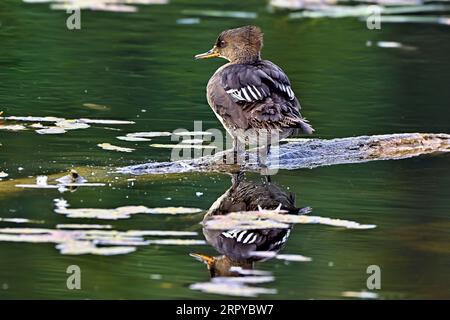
[(248, 94), (237, 246)]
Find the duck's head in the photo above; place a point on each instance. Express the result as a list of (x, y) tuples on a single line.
[(239, 45), (220, 266)]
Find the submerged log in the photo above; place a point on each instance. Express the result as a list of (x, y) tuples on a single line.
[(311, 153)]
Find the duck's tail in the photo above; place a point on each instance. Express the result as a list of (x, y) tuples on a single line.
[(305, 127)]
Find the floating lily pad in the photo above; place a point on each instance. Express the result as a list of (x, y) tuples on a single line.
[(108, 146)]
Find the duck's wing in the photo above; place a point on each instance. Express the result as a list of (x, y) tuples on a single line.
[(239, 244), (249, 83)]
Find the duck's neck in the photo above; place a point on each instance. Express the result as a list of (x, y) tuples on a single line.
[(246, 58)]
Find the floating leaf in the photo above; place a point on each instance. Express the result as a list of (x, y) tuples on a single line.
[(174, 210), (222, 14), (83, 226), (56, 119), (90, 241), (37, 126), (247, 279), (34, 119), (182, 146), (160, 233), (118, 213), (360, 294), (51, 130), (19, 220), (149, 134), (72, 124), (273, 219), (131, 138), (95, 106), (188, 21), (16, 127), (87, 247), (292, 257), (231, 289), (108, 214), (178, 242), (108, 146), (104, 121)]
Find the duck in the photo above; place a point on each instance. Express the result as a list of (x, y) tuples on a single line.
[(252, 97), (237, 247)]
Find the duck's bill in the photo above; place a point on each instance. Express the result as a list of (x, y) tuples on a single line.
[(203, 258), (210, 54)]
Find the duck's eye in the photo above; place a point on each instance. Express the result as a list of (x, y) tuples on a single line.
[(222, 43)]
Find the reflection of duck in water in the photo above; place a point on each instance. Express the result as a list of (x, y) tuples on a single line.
[(238, 246)]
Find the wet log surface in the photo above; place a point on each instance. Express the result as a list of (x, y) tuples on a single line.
[(311, 153)]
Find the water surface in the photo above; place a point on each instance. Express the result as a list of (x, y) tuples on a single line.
[(131, 62)]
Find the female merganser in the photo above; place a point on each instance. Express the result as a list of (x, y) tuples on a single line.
[(250, 95), (238, 246)]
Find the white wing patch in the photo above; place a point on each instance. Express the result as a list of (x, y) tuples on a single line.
[(287, 90), (252, 94), (247, 94), (242, 236)]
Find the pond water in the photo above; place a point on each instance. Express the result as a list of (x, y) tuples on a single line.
[(139, 67)]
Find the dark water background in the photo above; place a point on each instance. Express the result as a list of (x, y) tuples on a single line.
[(143, 60)]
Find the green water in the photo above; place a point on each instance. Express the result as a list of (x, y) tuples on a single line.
[(143, 61)]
